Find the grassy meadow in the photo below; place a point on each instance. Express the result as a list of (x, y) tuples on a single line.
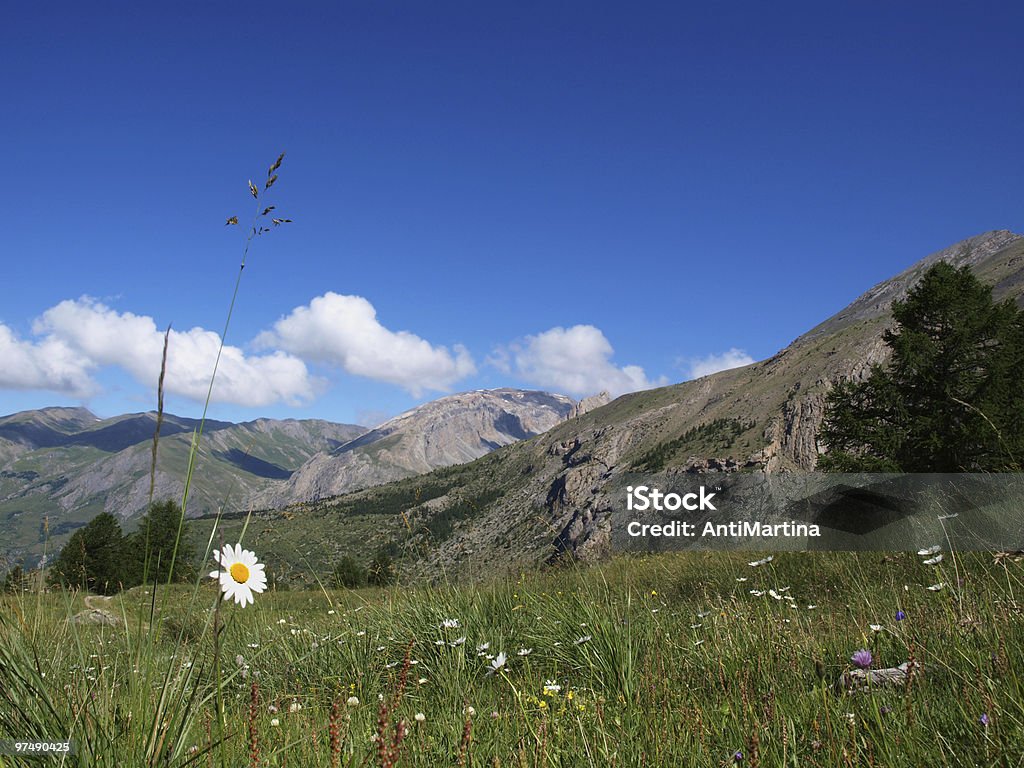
[(692, 659)]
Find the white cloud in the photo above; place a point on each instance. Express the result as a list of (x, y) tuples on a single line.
[(49, 364), (576, 361), (344, 331), (99, 336), (705, 366)]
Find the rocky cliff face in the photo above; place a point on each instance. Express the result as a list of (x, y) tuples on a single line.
[(451, 430), (587, 404)]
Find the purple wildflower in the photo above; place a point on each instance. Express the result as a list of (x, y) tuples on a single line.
[(737, 757), (984, 719), (900, 615), (861, 658)]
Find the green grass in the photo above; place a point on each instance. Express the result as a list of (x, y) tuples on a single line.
[(683, 666)]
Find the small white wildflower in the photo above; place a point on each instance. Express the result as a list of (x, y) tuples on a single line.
[(811, 607), (697, 643), (275, 722), (497, 663), (419, 717), (936, 587), (352, 701), (483, 647), (933, 560), (294, 706), (550, 686), (439, 642), (330, 612), (763, 561), (929, 550), (450, 624), (741, 579), (876, 627), (458, 641), (774, 594), (757, 592), (583, 639), (525, 651), (361, 633), (696, 626), (469, 711), (422, 680)]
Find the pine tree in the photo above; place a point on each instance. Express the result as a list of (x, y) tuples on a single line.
[(153, 542), (14, 581), (69, 567), (952, 396), (94, 557)]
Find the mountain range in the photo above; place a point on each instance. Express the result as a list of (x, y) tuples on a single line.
[(472, 483), (542, 498), (59, 467)]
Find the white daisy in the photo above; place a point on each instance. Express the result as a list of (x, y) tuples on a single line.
[(933, 560), (497, 663), (242, 573)]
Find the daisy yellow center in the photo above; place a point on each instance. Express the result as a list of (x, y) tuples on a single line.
[(239, 572)]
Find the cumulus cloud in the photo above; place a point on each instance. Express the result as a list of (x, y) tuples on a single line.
[(576, 361), (82, 335), (48, 364), (705, 366), (344, 331)]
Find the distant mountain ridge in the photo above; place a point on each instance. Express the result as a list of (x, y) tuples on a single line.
[(65, 465), (450, 430)]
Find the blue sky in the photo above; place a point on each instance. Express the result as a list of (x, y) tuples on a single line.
[(566, 196)]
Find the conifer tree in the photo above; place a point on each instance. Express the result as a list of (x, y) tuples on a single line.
[(952, 396)]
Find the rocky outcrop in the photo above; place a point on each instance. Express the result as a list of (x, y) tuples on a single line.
[(587, 404)]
